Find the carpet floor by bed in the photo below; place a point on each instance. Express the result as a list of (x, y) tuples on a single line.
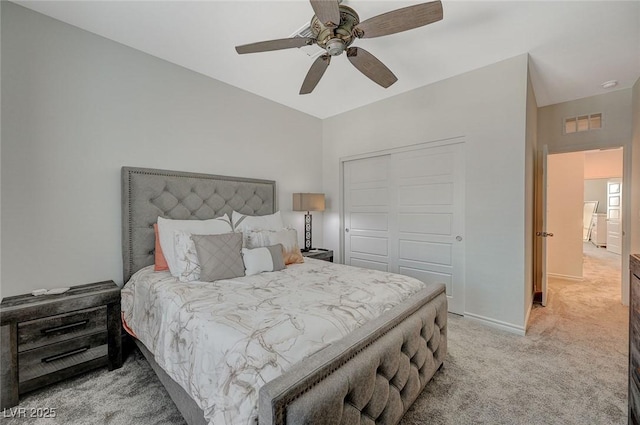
[(570, 368)]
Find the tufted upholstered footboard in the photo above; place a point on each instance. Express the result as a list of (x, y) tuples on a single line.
[(371, 376)]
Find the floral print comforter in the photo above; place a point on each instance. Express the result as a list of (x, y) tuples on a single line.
[(221, 341)]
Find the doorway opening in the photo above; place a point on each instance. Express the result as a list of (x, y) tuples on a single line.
[(584, 205)]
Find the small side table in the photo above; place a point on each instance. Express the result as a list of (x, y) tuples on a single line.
[(319, 254), (49, 338)]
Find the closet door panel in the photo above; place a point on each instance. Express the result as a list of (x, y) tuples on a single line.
[(428, 241), (367, 199), (404, 213)]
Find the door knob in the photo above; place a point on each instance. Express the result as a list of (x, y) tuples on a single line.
[(459, 238), (544, 234), (346, 230)]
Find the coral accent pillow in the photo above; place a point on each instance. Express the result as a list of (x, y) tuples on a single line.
[(160, 262)]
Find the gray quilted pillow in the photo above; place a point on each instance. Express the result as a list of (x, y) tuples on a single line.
[(220, 256)]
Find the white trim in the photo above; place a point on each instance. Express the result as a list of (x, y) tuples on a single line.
[(566, 277), (432, 144), (627, 185), (526, 316), (340, 258), (509, 327), (582, 147), (408, 148)]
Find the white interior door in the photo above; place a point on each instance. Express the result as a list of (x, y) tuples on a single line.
[(367, 208), (404, 213), (614, 216)]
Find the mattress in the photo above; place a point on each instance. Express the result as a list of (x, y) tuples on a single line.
[(222, 341)]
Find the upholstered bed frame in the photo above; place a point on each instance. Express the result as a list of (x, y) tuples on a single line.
[(371, 376)]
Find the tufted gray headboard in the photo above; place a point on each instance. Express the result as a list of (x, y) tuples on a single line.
[(148, 194)]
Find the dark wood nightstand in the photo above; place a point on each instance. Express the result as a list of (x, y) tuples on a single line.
[(319, 254), (48, 338)]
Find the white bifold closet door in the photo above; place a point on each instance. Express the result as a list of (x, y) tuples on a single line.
[(404, 213)]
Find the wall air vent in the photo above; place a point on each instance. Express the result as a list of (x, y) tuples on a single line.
[(312, 51), (582, 123)]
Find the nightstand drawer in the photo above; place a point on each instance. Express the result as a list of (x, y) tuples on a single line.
[(45, 361), (50, 330)]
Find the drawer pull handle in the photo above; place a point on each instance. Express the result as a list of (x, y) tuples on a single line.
[(63, 327), (67, 354)]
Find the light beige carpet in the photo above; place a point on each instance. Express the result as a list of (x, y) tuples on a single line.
[(571, 368)]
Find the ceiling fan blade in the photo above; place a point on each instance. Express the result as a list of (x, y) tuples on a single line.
[(327, 11), (400, 20), (283, 43), (370, 66), (315, 73)]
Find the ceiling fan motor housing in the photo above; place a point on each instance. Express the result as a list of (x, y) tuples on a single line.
[(336, 40)]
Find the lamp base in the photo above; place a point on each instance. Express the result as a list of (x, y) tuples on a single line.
[(307, 232)]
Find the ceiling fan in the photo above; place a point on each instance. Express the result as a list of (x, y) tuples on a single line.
[(336, 26)]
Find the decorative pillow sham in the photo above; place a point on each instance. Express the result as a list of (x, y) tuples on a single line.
[(264, 259), (243, 223), (186, 257), (160, 263), (167, 227), (220, 256), (288, 238)]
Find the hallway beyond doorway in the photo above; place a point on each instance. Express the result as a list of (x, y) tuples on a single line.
[(594, 302)]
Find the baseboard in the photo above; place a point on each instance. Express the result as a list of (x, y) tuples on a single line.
[(509, 327), (566, 277)]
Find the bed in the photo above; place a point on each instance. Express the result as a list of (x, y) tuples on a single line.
[(370, 375)]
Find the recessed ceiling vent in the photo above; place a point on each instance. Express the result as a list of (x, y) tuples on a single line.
[(312, 51)]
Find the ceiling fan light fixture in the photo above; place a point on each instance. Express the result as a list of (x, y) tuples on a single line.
[(334, 28), (335, 47)]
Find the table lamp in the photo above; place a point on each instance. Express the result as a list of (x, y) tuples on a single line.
[(308, 202)]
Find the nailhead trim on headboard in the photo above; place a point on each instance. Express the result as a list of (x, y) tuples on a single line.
[(150, 193)]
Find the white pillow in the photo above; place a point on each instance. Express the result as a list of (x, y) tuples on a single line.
[(186, 257), (243, 223), (288, 238), (167, 227), (264, 259)]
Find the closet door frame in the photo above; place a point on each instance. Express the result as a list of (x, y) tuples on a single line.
[(419, 146)]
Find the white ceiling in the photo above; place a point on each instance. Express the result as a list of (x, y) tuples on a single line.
[(574, 46)]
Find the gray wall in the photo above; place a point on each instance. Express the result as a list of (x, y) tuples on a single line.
[(77, 107), (531, 147), (488, 108), (616, 130)]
